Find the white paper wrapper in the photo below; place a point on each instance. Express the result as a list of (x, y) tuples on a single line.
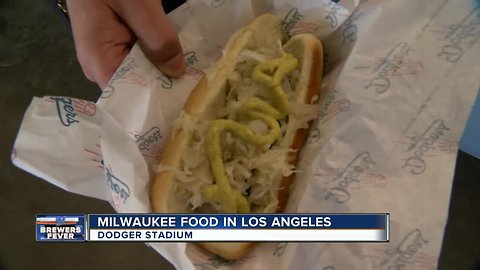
[(400, 79)]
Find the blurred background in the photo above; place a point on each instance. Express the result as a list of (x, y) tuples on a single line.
[(37, 58)]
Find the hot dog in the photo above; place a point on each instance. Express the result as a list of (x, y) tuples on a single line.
[(235, 145)]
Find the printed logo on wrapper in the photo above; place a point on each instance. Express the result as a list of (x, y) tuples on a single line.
[(336, 14), (191, 72), (330, 109), (280, 249), (293, 23), (395, 63), (107, 92), (125, 75), (85, 107), (291, 19), (120, 190), (134, 78), (428, 143), (314, 136), (460, 37), (68, 108), (332, 13), (405, 255), (95, 153), (165, 81), (149, 142), (357, 174), (125, 69), (366, 180), (66, 111), (350, 29), (333, 107)]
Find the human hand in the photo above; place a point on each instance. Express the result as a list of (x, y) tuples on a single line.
[(105, 30)]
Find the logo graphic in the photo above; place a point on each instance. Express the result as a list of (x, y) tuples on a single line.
[(350, 29), (69, 108), (280, 249), (368, 179), (107, 92), (314, 135), (60, 220), (66, 111), (405, 255), (290, 20), (120, 190), (149, 143), (329, 110), (395, 63), (124, 71), (293, 23), (192, 72), (96, 155), (429, 140), (459, 37), (332, 14), (133, 78), (85, 107), (60, 228), (166, 82), (351, 177), (124, 75)]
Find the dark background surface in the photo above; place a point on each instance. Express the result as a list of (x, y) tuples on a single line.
[(37, 58)]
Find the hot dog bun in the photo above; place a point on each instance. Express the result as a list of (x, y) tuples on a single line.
[(177, 186)]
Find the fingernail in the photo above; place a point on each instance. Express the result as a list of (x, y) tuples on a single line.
[(175, 66)]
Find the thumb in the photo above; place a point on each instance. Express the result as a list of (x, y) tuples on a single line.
[(157, 37)]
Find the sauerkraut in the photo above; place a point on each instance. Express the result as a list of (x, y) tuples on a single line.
[(255, 172)]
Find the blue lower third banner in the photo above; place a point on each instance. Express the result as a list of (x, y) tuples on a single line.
[(60, 228), (249, 227)]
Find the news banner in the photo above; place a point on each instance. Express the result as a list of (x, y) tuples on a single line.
[(211, 228)]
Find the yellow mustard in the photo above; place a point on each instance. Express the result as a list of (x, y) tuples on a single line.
[(269, 73)]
